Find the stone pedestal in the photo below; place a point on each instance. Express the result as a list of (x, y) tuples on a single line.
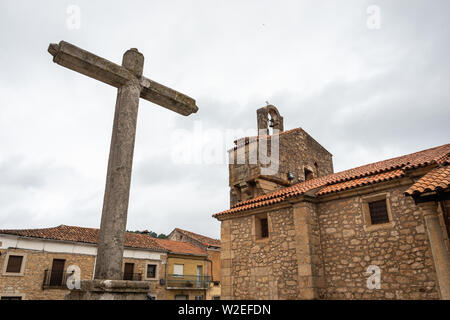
[(110, 290)]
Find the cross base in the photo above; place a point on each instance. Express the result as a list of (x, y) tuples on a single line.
[(110, 290)]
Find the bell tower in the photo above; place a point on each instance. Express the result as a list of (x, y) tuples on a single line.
[(264, 122), (296, 155)]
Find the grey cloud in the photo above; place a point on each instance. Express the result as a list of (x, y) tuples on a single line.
[(363, 94)]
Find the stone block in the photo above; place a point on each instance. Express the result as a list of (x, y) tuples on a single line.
[(110, 290)]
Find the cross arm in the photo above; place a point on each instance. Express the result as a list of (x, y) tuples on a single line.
[(93, 66), (167, 98)]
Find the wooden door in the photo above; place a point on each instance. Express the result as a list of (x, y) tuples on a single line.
[(57, 272), (128, 271)]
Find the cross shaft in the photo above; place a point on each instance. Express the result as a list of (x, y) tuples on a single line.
[(131, 86)]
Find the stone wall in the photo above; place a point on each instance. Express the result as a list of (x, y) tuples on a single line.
[(322, 250), (214, 257), (29, 285), (297, 151), (226, 261), (266, 268), (402, 252), (140, 266)]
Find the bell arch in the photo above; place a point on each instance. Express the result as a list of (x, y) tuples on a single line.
[(264, 123)]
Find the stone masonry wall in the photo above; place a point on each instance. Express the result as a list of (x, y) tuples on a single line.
[(402, 251), (323, 250), (264, 269), (30, 284), (297, 151)]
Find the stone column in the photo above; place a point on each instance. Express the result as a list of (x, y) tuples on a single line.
[(226, 278), (117, 190), (438, 248), (307, 242)]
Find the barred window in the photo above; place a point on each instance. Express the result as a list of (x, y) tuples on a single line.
[(378, 212)]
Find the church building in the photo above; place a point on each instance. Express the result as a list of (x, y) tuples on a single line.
[(378, 231)]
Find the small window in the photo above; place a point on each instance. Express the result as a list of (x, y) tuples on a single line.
[(14, 264), (151, 271), (308, 174), (378, 212), (198, 297), (178, 269), (262, 227)]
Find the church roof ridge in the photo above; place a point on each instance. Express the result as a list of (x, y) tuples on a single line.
[(351, 178)]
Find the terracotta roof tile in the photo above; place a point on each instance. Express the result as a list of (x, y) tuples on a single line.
[(90, 235), (350, 184), (84, 235), (180, 247), (397, 166), (207, 241), (435, 180)]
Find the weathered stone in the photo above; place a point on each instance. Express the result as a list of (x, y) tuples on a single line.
[(110, 290), (326, 244), (131, 86)]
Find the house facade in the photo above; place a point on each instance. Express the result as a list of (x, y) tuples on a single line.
[(379, 231), (212, 248), (187, 276), (39, 263)]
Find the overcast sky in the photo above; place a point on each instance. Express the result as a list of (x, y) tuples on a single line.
[(365, 93)]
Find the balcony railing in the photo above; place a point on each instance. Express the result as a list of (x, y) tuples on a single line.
[(55, 279), (132, 276), (188, 281)]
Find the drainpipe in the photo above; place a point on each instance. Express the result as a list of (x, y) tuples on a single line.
[(212, 277)]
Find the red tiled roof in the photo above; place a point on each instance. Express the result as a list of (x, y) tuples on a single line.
[(90, 235), (206, 241), (180, 247), (84, 235), (435, 180), (350, 184), (335, 182)]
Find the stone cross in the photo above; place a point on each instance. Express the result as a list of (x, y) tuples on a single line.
[(131, 86)]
